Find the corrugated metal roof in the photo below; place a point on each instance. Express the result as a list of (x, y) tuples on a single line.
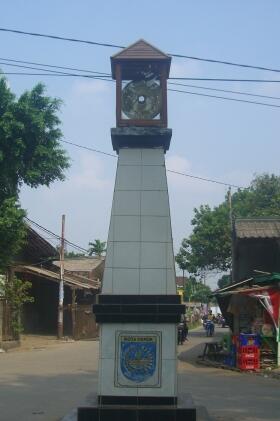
[(49, 274), (257, 228), (36, 248), (86, 264), (140, 50)]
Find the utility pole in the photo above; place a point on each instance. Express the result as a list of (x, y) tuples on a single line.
[(61, 283), (232, 236)]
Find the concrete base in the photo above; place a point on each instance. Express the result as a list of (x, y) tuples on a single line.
[(183, 411), (6, 345)]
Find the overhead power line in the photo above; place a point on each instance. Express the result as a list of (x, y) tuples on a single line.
[(109, 78), (213, 79), (224, 90), (36, 34), (103, 44), (171, 171), (205, 179), (227, 63), (173, 90), (89, 149), (55, 66), (56, 236), (226, 98), (57, 72)]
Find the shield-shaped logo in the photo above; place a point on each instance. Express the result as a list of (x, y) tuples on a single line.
[(138, 357)]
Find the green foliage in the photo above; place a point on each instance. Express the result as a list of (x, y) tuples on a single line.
[(12, 231), (196, 291), (17, 293), (209, 245), (30, 153), (224, 281), (73, 255), (97, 248)]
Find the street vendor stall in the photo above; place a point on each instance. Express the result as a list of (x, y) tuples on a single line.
[(251, 308)]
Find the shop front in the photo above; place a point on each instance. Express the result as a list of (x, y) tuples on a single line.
[(251, 308)]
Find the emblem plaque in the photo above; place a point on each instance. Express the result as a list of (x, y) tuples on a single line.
[(138, 359)]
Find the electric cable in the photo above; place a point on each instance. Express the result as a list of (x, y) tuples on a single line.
[(171, 171), (59, 72), (103, 44), (225, 98), (56, 236), (173, 90), (213, 79), (109, 76), (224, 90), (55, 66)]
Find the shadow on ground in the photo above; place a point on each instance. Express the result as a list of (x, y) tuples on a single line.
[(37, 398)]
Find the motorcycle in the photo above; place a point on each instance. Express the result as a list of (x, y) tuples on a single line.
[(209, 327)]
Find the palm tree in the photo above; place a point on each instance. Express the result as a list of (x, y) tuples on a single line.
[(97, 248)]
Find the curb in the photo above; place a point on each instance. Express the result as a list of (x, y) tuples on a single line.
[(262, 373)]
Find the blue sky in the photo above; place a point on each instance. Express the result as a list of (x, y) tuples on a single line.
[(211, 138)]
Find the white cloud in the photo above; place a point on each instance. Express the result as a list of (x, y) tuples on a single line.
[(91, 175), (185, 69)]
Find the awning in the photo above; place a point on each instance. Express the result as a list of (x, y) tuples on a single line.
[(54, 276)]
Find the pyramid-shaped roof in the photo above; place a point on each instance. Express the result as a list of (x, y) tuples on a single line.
[(140, 50)]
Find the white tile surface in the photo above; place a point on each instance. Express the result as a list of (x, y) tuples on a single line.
[(153, 156), (111, 230), (153, 255), (152, 281), (154, 178), (126, 281), (107, 380), (128, 177), (155, 229), (126, 202), (107, 282), (107, 341), (170, 281), (109, 254), (130, 156), (169, 341), (154, 203), (168, 384), (126, 228), (126, 255), (170, 255)]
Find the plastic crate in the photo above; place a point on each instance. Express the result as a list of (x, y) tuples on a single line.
[(248, 363), (249, 351), (248, 339)]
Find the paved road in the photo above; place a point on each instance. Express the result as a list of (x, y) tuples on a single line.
[(228, 395), (43, 385)]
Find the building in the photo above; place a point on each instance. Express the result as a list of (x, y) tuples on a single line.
[(38, 264), (251, 304)]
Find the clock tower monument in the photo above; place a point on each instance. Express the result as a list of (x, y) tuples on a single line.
[(138, 309)]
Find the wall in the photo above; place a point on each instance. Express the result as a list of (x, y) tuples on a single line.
[(256, 254)]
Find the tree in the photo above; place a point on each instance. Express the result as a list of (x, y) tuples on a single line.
[(12, 230), (97, 248), (209, 245), (224, 281), (30, 153), (181, 260), (73, 255), (17, 293), (196, 291)]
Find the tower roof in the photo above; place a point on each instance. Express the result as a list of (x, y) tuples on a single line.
[(142, 50), (138, 51)]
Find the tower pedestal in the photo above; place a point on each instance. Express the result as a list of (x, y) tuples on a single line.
[(138, 309)]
